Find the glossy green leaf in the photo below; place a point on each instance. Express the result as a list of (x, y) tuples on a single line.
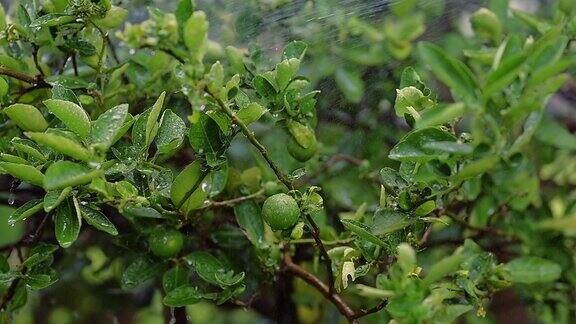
[(182, 296), (27, 117), (362, 231), (61, 144), (249, 217), (205, 265), (26, 173), (174, 278), (294, 49), (39, 254), (187, 192), (206, 138), (251, 113), (67, 223), (107, 127), (413, 148), (64, 174), (29, 208), (29, 148), (171, 133), (73, 116), (98, 220), (139, 271), (54, 198)]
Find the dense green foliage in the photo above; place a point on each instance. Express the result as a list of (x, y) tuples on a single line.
[(174, 163)]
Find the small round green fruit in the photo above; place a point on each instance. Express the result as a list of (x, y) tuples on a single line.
[(166, 242), (280, 211)]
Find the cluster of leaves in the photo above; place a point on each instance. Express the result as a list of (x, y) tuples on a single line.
[(199, 173)]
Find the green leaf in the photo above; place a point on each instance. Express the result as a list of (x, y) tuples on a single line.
[(440, 115), (251, 113), (171, 133), (51, 20), (362, 231), (72, 115), (504, 75), (39, 254), (98, 220), (195, 34), (350, 83), (38, 281), (412, 148), (182, 296), (53, 198), (146, 125), (187, 192), (28, 147), (533, 270), (67, 224), (444, 267), (107, 127), (174, 278), (61, 144), (152, 120), (449, 70), (476, 168), (206, 265), (64, 174), (26, 173), (141, 211), (139, 271), (184, 10), (206, 138), (27, 117), (248, 215), (29, 208), (425, 208), (552, 133), (294, 49)]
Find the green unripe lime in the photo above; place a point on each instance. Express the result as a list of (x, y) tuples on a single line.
[(299, 152), (165, 242), (280, 211)]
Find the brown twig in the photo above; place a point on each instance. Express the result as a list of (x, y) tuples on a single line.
[(333, 297), (375, 309), (21, 76), (235, 201), (316, 235)]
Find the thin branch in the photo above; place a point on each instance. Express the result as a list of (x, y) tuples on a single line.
[(375, 309), (316, 235), (20, 76), (333, 297), (235, 201), (74, 64), (250, 136), (35, 56)]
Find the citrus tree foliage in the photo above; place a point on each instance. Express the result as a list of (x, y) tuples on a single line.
[(423, 179)]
